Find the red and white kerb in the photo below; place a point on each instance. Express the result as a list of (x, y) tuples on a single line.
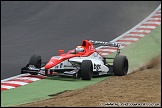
[(139, 31)]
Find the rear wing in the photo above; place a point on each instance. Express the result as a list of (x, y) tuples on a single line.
[(111, 44)]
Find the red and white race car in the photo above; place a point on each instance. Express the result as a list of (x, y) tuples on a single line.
[(82, 62)]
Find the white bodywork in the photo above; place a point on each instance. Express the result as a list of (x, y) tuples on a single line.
[(98, 64)]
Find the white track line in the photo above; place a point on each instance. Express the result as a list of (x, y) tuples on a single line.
[(28, 78), (149, 17), (7, 87), (14, 77), (15, 82), (141, 29)]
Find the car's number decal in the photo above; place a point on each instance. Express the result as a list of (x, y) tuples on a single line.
[(57, 57), (59, 66), (97, 67)]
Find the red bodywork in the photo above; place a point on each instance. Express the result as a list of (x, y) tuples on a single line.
[(88, 50)]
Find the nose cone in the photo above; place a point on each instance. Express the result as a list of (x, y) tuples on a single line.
[(49, 65), (55, 60)]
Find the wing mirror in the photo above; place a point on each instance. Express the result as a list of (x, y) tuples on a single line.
[(60, 52)]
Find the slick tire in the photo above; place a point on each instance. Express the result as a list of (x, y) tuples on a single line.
[(120, 65), (35, 60), (86, 70)]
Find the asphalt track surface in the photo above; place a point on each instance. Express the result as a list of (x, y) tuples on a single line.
[(43, 27)]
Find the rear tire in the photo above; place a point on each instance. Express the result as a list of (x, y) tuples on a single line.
[(86, 70), (120, 65)]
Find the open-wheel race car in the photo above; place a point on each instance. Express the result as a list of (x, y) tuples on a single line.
[(82, 62)]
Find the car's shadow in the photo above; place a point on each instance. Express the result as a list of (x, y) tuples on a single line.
[(69, 78)]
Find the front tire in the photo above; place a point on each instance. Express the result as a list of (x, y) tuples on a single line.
[(86, 70), (120, 65), (35, 60)]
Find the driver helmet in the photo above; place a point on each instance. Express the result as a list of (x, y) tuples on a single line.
[(79, 49)]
